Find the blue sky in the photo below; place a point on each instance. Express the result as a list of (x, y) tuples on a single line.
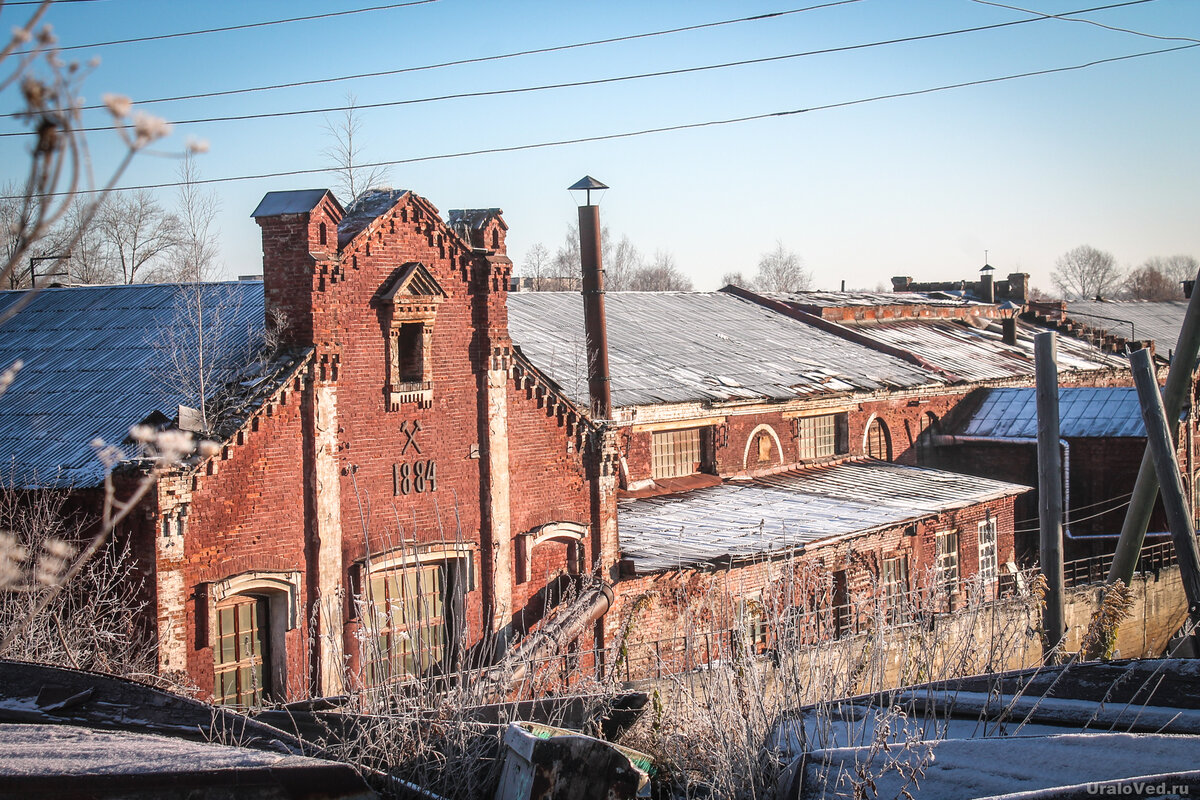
[(1026, 169)]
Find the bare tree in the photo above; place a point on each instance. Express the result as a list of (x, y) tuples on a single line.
[(89, 625), (1148, 283), (345, 154), (1085, 273), (566, 257), (736, 279), (88, 260), (536, 265), (1177, 268), (138, 233), (660, 275), (622, 262), (781, 270), (59, 171), (194, 256)]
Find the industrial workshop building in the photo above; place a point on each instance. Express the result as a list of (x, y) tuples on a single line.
[(407, 472)]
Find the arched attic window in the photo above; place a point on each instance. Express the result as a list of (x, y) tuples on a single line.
[(413, 295)]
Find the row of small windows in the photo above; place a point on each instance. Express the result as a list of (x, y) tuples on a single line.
[(687, 451)]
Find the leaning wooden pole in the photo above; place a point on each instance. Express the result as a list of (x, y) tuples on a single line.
[(1050, 491), (1145, 489), (1166, 466)]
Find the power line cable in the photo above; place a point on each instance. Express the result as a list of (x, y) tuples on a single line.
[(591, 82), (246, 26), (1075, 509), (649, 131), (1073, 520), (1065, 18), (483, 59)]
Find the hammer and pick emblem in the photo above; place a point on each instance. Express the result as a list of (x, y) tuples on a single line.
[(410, 431)]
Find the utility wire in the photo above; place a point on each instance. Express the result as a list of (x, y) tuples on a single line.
[(592, 82), (1065, 18), (1075, 509), (649, 131), (482, 59), (1073, 520), (246, 26)]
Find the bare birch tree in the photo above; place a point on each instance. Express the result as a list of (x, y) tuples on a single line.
[(345, 156), (781, 270), (536, 265), (194, 255)]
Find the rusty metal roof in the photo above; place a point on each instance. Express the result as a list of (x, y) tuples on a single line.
[(1135, 319), (676, 347), (1084, 413), (97, 361), (744, 519), (821, 299)]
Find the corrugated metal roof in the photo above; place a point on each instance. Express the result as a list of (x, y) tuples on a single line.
[(1083, 413), (1160, 321), (979, 353), (97, 361), (299, 201), (675, 347), (742, 519)]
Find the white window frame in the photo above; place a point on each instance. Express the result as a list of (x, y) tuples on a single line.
[(676, 453), (895, 585), (817, 436), (946, 560), (989, 561)]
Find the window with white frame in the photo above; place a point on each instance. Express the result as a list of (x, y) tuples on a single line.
[(895, 586), (946, 547), (676, 453), (988, 562), (820, 436)]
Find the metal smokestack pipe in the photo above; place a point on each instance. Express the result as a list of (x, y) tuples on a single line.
[(599, 390)]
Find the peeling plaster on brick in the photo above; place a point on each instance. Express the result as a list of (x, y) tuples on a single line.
[(328, 536), (498, 502)]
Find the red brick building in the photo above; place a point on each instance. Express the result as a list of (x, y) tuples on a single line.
[(410, 472), (390, 489)]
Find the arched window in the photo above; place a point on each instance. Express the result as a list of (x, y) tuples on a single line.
[(879, 441), (929, 428), (321, 235)]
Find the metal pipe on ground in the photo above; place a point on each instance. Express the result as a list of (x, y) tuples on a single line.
[(1145, 489), (568, 625)]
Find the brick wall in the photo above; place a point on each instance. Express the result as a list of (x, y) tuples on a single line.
[(253, 508), (667, 605)]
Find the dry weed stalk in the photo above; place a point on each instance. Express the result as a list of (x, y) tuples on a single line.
[(39, 559), (711, 728)]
